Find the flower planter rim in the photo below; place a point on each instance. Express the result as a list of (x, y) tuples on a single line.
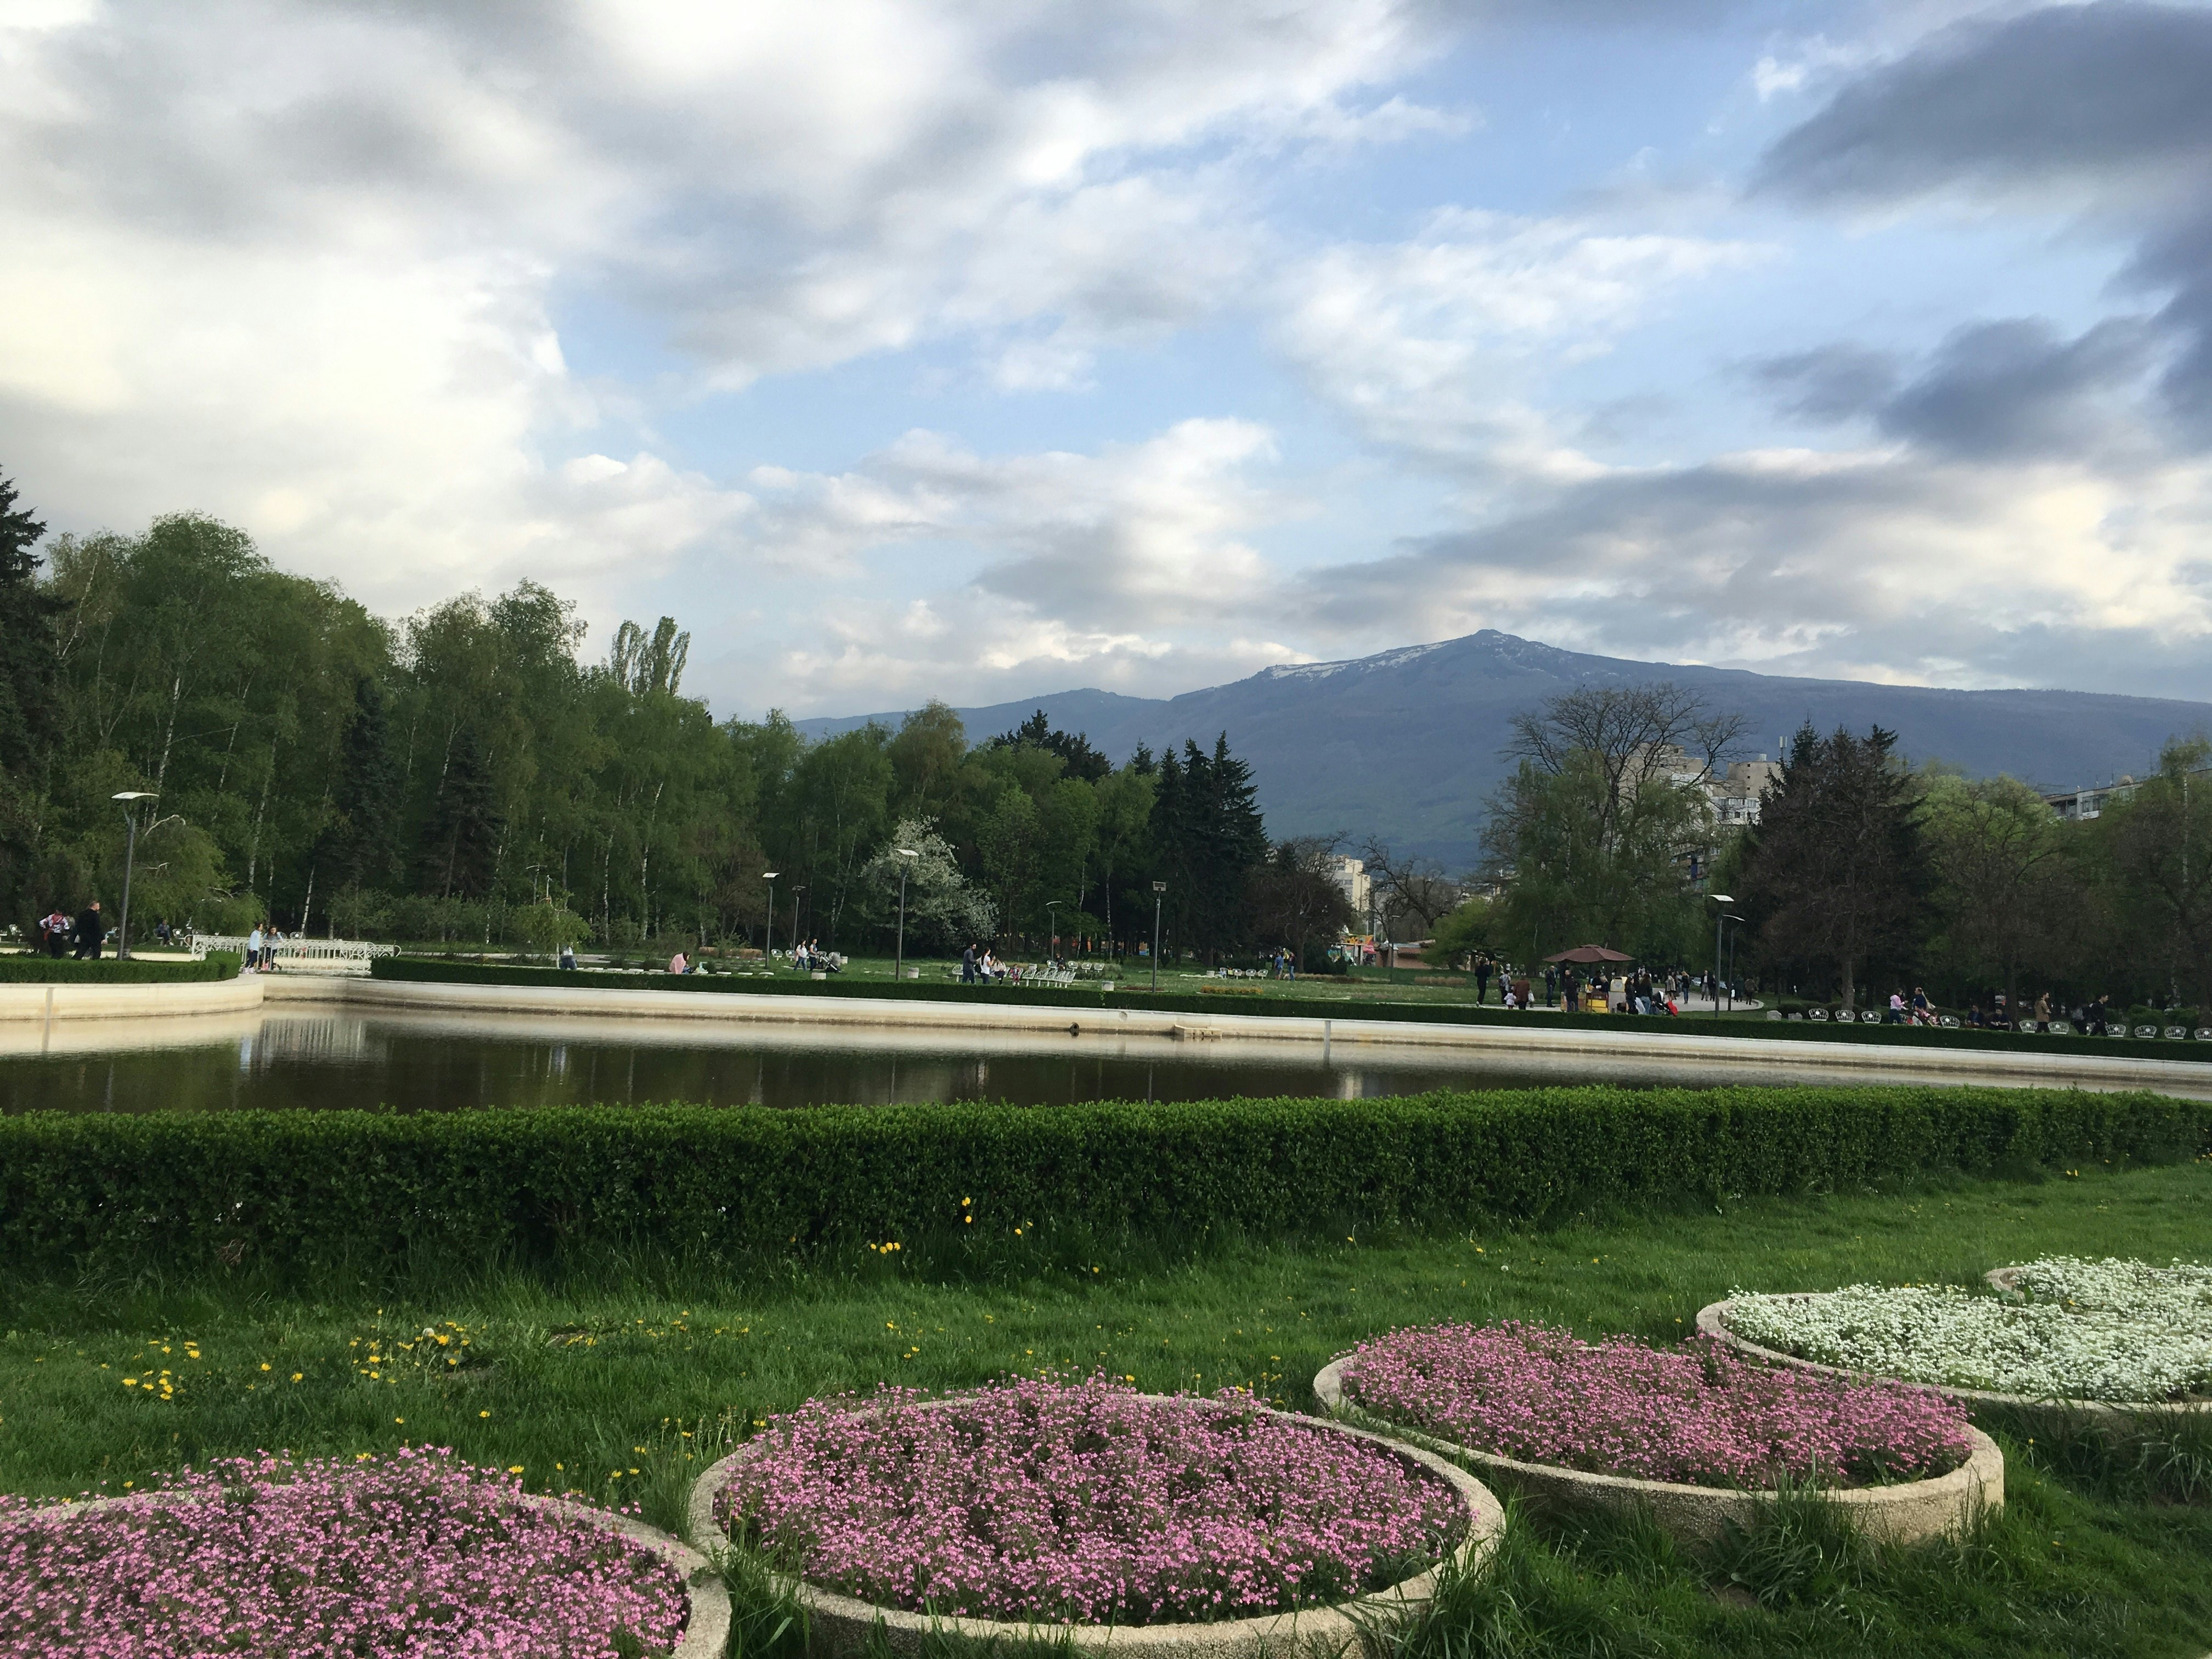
[(707, 1599), (1326, 1628), (1981, 1462), (1713, 1320)]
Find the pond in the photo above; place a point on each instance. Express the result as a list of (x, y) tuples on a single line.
[(309, 1059)]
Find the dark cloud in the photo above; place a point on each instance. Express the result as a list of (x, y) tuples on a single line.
[(2016, 389), (2105, 109), (2086, 92), (1828, 383)]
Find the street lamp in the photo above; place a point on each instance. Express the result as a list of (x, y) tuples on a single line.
[(1159, 890), (1052, 929), (898, 965), (130, 858), (768, 934), (795, 892), (1731, 963), (1723, 900)]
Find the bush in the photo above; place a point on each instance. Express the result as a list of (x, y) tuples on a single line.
[(108, 970), (311, 1189)]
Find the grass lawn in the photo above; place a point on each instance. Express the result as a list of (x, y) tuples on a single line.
[(623, 1384)]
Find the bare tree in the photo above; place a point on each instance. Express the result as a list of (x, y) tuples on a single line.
[(1414, 890), (1636, 734)]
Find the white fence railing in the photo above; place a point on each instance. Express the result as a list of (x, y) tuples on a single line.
[(329, 956)]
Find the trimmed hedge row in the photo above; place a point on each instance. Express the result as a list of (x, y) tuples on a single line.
[(309, 1188), (110, 970), (433, 971)]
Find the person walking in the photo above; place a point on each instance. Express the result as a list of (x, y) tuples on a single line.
[(253, 949), (91, 931), (53, 931), (1482, 970), (2043, 1012)]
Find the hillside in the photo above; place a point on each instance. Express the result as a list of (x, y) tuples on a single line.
[(1405, 744)]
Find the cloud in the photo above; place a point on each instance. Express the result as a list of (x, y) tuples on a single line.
[(1893, 563), (1091, 563), (305, 266), (1435, 344)]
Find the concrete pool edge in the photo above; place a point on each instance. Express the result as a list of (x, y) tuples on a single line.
[(1816, 1060), (153, 999)]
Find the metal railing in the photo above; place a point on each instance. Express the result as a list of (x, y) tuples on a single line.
[(327, 955)]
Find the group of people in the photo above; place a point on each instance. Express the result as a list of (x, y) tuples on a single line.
[(2098, 1018), (82, 936), (981, 967)]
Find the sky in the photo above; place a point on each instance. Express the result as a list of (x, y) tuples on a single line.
[(989, 349)]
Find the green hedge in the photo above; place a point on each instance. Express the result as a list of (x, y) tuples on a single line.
[(109, 970), (432, 971), (309, 1188)]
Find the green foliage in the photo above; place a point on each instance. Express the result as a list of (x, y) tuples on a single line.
[(309, 1189), (110, 970)]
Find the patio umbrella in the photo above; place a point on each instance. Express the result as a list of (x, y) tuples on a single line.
[(1589, 953)]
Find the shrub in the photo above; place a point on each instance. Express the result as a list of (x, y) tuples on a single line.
[(749, 1183), (109, 970)]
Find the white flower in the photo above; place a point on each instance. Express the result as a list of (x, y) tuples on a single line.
[(2080, 1330)]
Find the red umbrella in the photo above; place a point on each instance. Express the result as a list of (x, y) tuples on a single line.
[(1589, 953)]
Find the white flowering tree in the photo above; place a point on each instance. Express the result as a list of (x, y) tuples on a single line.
[(942, 909)]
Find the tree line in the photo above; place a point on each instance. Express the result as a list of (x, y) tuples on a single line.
[(1861, 875), (470, 773)]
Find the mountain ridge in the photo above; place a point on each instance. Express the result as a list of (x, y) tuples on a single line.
[(1404, 744)]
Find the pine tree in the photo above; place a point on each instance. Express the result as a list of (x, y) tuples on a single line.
[(356, 848), (1836, 874), (30, 693), (30, 671), (1208, 826), (460, 845)]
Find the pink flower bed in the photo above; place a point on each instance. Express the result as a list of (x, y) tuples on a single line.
[(1085, 1503), (410, 1555), (1695, 1415)]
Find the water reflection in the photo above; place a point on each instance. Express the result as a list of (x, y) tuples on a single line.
[(308, 1060)]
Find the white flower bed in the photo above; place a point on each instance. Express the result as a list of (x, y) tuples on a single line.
[(2116, 1285), (2119, 1331)]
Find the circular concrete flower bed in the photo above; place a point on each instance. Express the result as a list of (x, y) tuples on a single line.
[(1088, 1512), (406, 1555), (1698, 1438), (2063, 1335)]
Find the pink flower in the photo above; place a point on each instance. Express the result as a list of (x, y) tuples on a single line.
[(401, 1557), (1692, 1414), (1083, 1502)]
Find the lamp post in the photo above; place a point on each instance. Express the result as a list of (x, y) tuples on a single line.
[(1719, 927), (1052, 930), (130, 858), (795, 892), (898, 963), (1731, 961), (768, 934), (1159, 894)]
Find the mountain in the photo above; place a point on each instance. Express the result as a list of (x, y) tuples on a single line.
[(1405, 744)]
